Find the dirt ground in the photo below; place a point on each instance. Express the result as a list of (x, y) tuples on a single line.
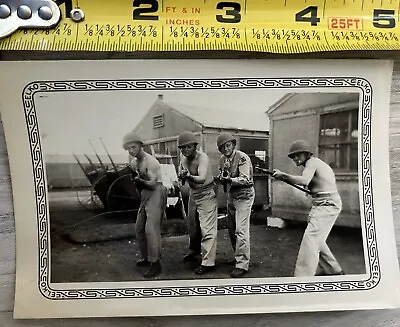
[(90, 248)]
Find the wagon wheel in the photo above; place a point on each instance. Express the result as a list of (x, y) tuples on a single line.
[(95, 200), (88, 199), (99, 190), (123, 195)]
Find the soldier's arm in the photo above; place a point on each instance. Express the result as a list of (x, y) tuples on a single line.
[(132, 165), (153, 174), (182, 169), (202, 171), (244, 177), (306, 176)]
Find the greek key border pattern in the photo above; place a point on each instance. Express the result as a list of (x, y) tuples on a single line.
[(365, 89)]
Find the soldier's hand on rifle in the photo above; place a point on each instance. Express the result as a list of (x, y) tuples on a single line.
[(133, 172), (184, 174), (276, 173), (224, 177), (138, 180)]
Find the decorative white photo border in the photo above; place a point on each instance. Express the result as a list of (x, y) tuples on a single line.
[(341, 83)]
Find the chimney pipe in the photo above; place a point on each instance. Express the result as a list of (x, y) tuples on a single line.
[(160, 97)]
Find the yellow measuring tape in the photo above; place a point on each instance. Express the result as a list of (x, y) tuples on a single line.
[(277, 26)]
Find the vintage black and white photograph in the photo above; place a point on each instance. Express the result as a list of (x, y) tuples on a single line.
[(202, 182), (104, 227)]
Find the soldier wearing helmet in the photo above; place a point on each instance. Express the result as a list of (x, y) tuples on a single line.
[(236, 171), (314, 256), (195, 169), (153, 197)]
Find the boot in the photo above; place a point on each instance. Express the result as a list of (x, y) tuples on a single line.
[(201, 270), (142, 263), (154, 269)]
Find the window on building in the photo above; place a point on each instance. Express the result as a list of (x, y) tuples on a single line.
[(147, 148), (155, 147), (256, 149), (158, 121), (171, 147), (338, 139), (164, 148)]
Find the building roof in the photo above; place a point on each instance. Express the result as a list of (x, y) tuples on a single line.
[(279, 103), (302, 101), (218, 118)]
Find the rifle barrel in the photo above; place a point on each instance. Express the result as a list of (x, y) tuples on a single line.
[(265, 171), (287, 182)]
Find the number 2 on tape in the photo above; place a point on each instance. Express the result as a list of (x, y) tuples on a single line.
[(138, 13)]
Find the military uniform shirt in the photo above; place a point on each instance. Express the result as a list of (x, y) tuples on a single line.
[(239, 167)]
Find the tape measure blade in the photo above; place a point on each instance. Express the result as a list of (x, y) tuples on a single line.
[(285, 26)]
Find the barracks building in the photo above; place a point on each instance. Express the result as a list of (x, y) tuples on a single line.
[(163, 123), (329, 122)]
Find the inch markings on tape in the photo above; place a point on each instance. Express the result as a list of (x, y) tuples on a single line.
[(277, 26)]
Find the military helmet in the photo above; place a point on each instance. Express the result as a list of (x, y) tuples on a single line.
[(129, 138), (187, 138), (224, 138), (298, 147)]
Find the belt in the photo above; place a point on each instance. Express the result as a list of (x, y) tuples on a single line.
[(324, 194), (204, 187), (241, 187)]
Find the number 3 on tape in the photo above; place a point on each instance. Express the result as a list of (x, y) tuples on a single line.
[(280, 26)]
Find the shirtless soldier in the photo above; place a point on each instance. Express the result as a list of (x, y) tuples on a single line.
[(314, 253), (195, 169), (153, 201)]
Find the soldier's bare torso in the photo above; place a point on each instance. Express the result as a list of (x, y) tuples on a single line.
[(200, 158), (147, 166), (324, 179)]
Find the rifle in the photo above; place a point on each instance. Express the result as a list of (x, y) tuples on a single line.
[(133, 172), (225, 173), (182, 204), (183, 180), (268, 172)]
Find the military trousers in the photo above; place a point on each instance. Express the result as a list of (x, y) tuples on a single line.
[(148, 223), (202, 223), (239, 207), (314, 253)]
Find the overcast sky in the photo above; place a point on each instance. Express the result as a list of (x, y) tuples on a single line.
[(68, 120)]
